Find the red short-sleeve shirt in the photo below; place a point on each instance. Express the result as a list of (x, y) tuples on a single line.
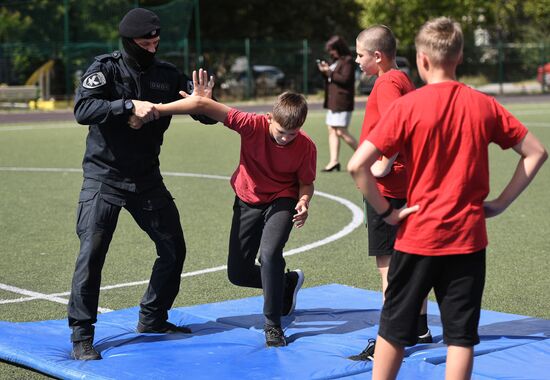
[(444, 130), (266, 169), (387, 88)]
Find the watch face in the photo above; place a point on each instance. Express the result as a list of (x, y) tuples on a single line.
[(128, 104)]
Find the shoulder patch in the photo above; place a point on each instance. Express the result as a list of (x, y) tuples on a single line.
[(94, 80)]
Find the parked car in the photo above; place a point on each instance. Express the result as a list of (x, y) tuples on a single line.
[(543, 74), (366, 82), (266, 80)]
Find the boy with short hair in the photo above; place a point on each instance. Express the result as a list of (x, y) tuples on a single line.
[(273, 185), (444, 130), (376, 48)]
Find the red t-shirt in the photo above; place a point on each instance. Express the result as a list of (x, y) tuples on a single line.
[(388, 87), (444, 130), (266, 169)]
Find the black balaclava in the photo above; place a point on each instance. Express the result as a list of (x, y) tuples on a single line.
[(138, 23)]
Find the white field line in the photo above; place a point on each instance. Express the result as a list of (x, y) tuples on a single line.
[(55, 170), (357, 220), (530, 112), (44, 127), (35, 295), (535, 124)]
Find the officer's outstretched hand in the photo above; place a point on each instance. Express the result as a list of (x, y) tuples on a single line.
[(202, 85)]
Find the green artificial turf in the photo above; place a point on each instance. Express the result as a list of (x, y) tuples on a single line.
[(38, 245)]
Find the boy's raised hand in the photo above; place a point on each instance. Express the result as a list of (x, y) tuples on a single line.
[(202, 85)]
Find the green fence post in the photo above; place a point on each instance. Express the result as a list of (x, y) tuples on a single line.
[(542, 62), (200, 58), (186, 55), (66, 48), (248, 93), (305, 66), (500, 67)]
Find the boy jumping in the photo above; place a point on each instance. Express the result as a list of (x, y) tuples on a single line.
[(273, 185), (443, 130)]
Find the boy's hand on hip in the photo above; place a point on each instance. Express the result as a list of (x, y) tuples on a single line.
[(397, 216), (492, 208)]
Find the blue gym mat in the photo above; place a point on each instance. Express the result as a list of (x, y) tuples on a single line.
[(331, 322)]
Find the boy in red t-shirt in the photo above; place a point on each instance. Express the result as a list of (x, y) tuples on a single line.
[(376, 47), (273, 185), (443, 130)]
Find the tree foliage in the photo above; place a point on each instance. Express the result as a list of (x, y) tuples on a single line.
[(288, 20), (505, 21), (523, 23)]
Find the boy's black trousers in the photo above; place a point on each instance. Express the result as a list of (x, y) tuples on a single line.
[(264, 228)]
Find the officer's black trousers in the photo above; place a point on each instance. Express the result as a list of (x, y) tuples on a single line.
[(155, 212), (264, 228)]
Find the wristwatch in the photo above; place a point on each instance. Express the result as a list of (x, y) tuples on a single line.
[(128, 106)]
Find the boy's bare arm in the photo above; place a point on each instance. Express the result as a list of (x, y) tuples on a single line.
[(359, 167), (533, 154), (382, 167), (195, 105), (305, 194)]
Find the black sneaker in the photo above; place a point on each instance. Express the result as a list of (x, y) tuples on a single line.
[(426, 338), (164, 328), (84, 350), (367, 354), (274, 336), (294, 281)]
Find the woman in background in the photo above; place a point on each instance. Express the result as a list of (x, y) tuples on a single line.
[(339, 97)]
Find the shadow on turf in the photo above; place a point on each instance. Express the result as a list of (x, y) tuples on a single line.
[(322, 321), (315, 321)]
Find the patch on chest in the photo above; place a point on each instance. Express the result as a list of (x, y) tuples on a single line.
[(159, 86)]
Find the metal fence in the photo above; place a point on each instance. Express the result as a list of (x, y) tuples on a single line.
[(249, 68)]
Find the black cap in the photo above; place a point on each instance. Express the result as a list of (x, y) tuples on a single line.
[(139, 23)]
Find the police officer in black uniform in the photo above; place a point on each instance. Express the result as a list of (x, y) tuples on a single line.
[(121, 169)]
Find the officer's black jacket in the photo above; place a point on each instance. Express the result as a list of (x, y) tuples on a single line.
[(116, 154)]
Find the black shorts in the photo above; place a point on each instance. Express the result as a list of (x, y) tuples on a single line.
[(458, 282), (381, 234)]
